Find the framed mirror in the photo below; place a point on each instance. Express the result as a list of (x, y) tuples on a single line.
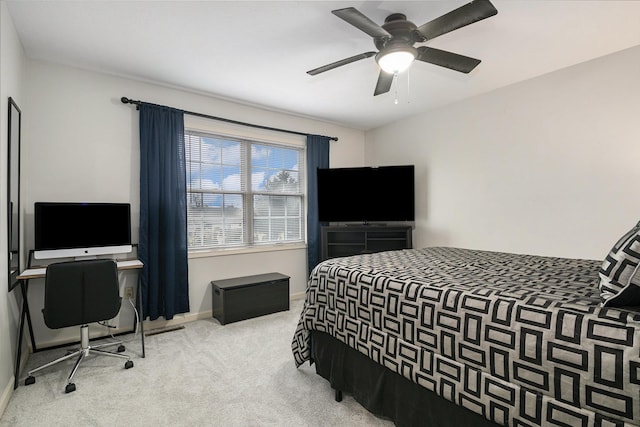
[(13, 193)]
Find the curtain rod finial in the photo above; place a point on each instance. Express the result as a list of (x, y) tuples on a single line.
[(126, 100)]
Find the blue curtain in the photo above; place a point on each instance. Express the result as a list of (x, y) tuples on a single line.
[(317, 157), (162, 245)]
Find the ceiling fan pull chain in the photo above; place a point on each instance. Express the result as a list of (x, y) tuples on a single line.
[(409, 86), (395, 77)]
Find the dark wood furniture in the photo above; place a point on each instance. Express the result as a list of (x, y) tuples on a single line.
[(347, 240), (242, 298)]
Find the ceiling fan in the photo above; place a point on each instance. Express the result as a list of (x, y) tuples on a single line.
[(396, 38)]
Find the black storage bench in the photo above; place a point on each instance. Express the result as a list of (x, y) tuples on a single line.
[(250, 296)]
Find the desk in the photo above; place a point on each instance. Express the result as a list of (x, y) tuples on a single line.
[(40, 273)]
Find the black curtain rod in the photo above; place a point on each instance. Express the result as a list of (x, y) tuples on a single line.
[(126, 100)]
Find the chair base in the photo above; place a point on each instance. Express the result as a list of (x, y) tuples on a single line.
[(84, 351)]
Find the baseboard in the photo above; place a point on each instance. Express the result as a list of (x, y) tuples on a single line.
[(297, 296), (190, 317), (179, 319), (95, 332), (6, 395)]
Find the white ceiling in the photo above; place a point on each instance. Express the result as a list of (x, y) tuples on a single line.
[(258, 52)]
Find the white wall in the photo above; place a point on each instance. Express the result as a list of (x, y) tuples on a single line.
[(548, 166), (11, 85), (545, 166), (83, 145)]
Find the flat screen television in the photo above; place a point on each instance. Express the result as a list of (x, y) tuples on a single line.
[(65, 230), (366, 194)]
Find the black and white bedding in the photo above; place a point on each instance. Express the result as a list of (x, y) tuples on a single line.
[(519, 339)]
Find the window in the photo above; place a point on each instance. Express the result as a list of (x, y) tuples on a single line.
[(242, 192)]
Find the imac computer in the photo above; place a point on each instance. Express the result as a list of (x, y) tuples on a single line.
[(81, 230)]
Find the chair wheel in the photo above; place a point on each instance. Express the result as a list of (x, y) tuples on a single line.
[(128, 364), (30, 380), (120, 348), (70, 387)]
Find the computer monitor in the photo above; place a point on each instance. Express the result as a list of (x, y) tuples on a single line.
[(81, 230)]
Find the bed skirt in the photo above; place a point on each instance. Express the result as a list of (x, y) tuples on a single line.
[(383, 392)]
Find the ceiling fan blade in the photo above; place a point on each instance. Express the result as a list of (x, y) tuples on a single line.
[(358, 20), (457, 18), (451, 60), (384, 83), (340, 63)]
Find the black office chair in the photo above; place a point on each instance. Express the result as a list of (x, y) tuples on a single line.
[(79, 293)]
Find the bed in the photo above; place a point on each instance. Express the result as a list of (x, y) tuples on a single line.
[(452, 336)]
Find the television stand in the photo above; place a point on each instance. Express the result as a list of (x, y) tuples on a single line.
[(354, 239)]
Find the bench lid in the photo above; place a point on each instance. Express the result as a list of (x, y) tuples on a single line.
[(239, 282)]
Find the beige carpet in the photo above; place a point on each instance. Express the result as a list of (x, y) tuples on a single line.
[(241, 374)]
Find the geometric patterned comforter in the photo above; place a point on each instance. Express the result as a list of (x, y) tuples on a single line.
[(519, 339)]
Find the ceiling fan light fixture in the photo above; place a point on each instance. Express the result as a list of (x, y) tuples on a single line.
[(395, 40), (396, 59)]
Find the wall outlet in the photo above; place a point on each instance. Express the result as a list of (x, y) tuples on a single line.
[(128, 292)]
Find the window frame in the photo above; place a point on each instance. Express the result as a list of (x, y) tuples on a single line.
[(247, 141)]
